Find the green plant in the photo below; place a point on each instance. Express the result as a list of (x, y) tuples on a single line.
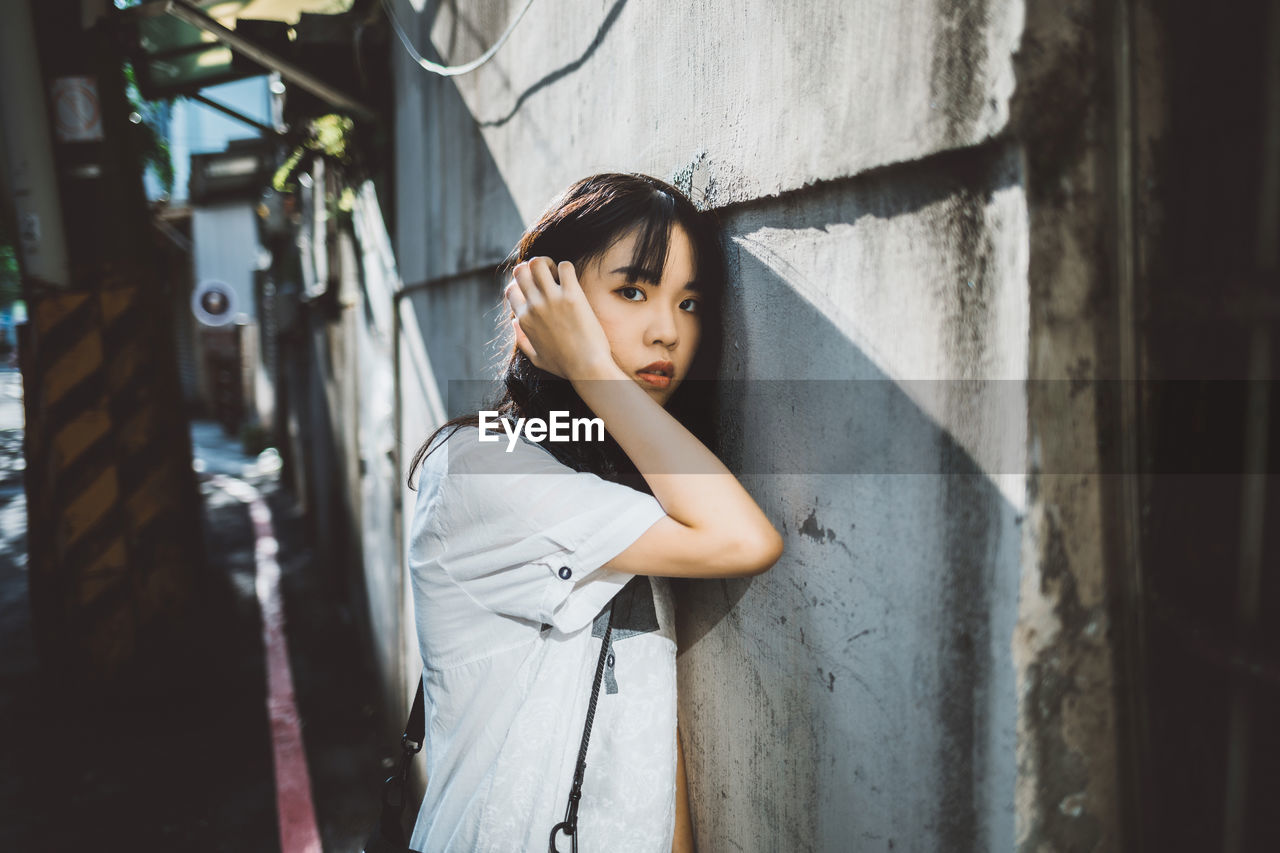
[(10, 276), (152, 143), (329, 135)]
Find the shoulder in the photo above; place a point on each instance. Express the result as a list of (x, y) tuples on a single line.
[(485, 484), (467, 450), (469, 478)]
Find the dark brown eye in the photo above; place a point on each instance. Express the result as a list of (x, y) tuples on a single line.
[(630, 289), (694, 306)]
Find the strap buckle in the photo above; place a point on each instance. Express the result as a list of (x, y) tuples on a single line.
[(393, 789), (568, 828)]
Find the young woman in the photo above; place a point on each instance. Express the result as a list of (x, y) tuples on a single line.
[(522, 550)]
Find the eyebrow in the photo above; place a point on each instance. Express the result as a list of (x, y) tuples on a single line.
[(634, 272)]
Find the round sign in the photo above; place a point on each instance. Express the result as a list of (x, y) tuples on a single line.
[(77, 116), (214, 303)]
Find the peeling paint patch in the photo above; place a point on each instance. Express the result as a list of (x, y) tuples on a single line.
[(694, 180), (816, 531), (1062, 728)]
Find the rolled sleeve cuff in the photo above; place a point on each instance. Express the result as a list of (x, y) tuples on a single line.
[(581, 587)]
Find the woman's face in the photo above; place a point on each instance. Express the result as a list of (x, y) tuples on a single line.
[(653, 327)]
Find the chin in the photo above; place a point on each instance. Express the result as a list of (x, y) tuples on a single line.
[(659, 394)]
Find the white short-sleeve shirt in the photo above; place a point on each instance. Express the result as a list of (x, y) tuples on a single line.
[(506, 558)]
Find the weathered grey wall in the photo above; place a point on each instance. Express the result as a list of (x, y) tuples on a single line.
[(869, 673), (768, 97), (864, 694), (1075, 72)]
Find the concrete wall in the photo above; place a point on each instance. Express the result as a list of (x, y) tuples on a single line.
[(872, 176), (742, 90), (869, 672), (1075, 124)]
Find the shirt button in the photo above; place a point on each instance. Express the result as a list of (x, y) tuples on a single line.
[(565, 573)]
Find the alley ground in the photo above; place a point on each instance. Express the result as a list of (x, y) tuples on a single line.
[(181, 758)]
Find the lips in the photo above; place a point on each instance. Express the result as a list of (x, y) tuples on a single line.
[(658, 374)]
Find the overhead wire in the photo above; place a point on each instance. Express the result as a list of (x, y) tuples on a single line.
[(449, 70)]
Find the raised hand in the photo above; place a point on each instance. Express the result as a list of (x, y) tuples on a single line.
[(553, 321)]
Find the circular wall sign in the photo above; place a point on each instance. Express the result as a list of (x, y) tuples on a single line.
[(214, 303), (77, 115)]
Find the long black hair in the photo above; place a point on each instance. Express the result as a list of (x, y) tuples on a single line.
[(579, 226)]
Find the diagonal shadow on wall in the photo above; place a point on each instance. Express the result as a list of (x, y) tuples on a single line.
[(872, 666)]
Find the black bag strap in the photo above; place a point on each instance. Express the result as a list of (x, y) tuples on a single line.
[(569, 826), (394, 789), (415, 730)]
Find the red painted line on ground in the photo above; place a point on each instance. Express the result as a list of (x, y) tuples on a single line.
[(295, 808)]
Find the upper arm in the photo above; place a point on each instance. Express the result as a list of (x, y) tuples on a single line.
[(537, 511), (671, 549), (523, 535)]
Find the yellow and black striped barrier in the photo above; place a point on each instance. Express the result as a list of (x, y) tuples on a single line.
[(113, 527)]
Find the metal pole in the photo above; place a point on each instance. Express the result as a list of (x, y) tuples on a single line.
[(28, 150), (1256, 439), (1134, 635), (235, 114)]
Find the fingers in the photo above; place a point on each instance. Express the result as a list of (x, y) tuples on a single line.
[(545, 276), (515, 298), (522, 342), (568, 278), (535, 281), (537, 297), (523, 293)]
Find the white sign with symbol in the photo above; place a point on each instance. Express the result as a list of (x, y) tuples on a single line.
[(77, 112)]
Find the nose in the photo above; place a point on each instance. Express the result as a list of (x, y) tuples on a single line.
[(662, 326)]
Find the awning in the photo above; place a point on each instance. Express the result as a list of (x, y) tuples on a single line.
[(182, 46)]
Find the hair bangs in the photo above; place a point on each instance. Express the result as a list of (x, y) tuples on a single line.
[(653, 238)]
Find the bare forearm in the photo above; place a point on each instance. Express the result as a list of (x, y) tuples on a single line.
[(693, 486)]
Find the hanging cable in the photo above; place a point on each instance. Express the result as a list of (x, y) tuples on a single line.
[(449, 70)]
